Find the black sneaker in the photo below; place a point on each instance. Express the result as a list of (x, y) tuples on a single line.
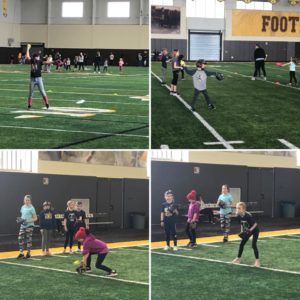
[(163, 83), (195, 245), (21, 255), (88, 270), (27, 256), (29, 106), (225, 240), (113, 273), (211, 106), (47, 105), (193, 109)]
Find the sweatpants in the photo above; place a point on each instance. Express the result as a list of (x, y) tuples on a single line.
[(25, 233), (46, 233), (99, 261), (170, 230), (254, 244), (196, 94)]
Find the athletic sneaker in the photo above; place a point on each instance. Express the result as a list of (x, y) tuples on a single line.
[(113, 273), (193, 109), (166, 248), (252, 78), (27, 256), (188, 244), (88, 270), (225, 240), (78, 250), (195, 245), (29, 106), (71, 252), (211, 106), (47, 105), (21, 255), (265, 78), (175, 248)]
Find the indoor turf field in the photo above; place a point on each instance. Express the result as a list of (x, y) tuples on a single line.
[(44, 277), (249, 114), (87, 110), (206, 272)]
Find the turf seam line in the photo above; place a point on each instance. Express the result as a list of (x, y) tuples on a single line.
[(199, 117), (226, 262), (75, 273), (120, 133)]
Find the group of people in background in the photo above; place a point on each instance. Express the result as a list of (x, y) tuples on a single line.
[(170, 212), (74, 227)]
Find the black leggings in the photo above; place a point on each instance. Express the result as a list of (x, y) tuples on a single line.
[(259, 64), (175, 78), (191, 233), (99, 262), (254, 245), (69, 238), (293, 76), (97, 65), (170, 230)]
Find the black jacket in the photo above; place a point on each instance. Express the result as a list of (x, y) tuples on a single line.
[(259, 53)]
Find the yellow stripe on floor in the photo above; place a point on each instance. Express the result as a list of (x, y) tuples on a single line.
[(219, 238), (57, 250)]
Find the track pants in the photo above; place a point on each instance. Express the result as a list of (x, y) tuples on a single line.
[(225, 224), (99, 261), (170, 230), (46, 233), (254, 245), (196, 94), (25, 233)]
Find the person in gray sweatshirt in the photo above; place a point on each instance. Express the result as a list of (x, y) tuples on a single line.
[(199, 80)]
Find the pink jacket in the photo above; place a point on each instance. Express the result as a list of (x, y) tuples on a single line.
[(92, 245), (194, 208)]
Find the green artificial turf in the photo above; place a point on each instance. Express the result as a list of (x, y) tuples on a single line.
[(126, 128), (255, 112), (186, 278), (19, 282)]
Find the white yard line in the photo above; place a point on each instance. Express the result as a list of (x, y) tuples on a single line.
[(219, 143), (75, 131), (75, 273), (226, 262), (199, 117), (281, 238), (288, 144)]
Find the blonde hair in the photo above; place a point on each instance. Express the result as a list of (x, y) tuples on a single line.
[(242, 204), (28, 197), (69, 202)]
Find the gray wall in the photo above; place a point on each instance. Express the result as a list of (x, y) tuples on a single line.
[(170, 44), (116, 197), (267, 186)]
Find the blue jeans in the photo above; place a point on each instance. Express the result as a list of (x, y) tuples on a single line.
[(39, 82)]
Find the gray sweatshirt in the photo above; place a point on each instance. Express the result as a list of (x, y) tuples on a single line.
[(199, 77)]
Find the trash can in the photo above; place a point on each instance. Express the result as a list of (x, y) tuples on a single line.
[(137, 220), (288, 209)]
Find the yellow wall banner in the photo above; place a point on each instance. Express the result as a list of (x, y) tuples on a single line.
[(265, 23), (4, 8)]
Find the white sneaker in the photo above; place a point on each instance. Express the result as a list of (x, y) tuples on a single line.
[(265, 78), (252, 78), (166, 248), (175, 248), (78, 250), (71, 252)]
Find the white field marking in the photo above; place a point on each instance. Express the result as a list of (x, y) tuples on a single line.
[(282, 238), (58, 255), (200, 118), (288, 144), (138, 250), (248, 76), (295, 236), (72, 93), (80, 101), (79, 109), (219, 143), (76, 131), (28, 117), (49, 112), (226, 262), (75, 273), (143, 98), (183, 248), (209, 245), (32, 258)]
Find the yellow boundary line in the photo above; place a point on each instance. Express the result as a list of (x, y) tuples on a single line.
[(219, 238), (12, 254)]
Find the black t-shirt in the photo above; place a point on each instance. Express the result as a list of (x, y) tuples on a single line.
[(164, 59), (36, 68), (71, 217), (168, 209), (81, 216), (247, 221), (97, 59)]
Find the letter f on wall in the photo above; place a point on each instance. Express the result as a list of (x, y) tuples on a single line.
[(265, 23)]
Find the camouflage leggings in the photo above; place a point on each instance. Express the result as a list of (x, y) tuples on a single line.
[(225, 224), (25, 233)]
